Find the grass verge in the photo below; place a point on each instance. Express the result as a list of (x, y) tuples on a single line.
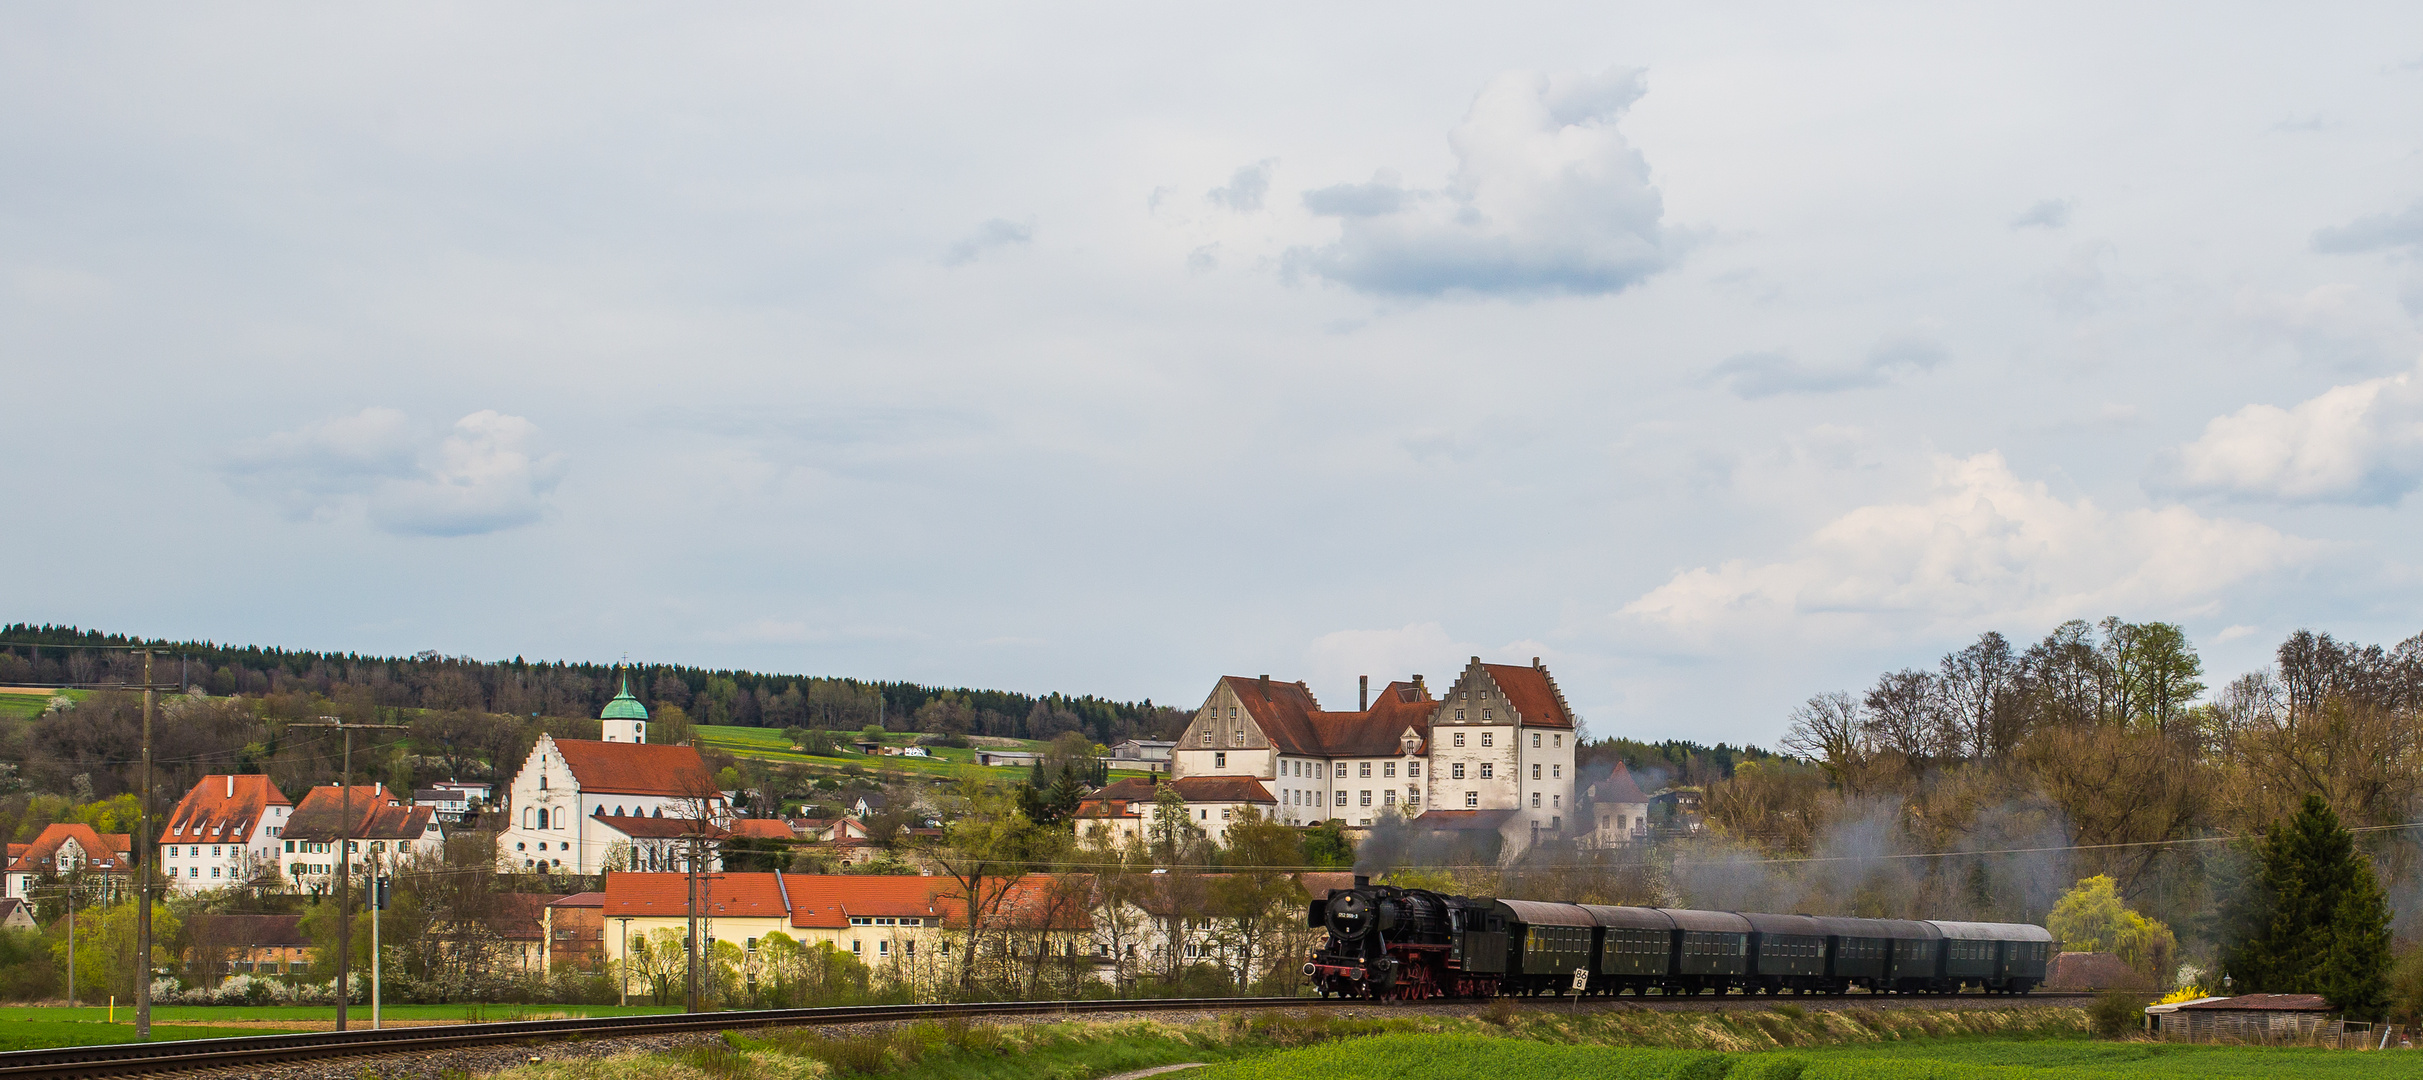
[(43, 1034)]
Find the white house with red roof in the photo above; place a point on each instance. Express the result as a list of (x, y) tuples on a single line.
[(68, 849), (1495, 753), (1125, 811), (224, 832), (558, 806)]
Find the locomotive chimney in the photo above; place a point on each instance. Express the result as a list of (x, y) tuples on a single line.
[(1362, 881), (1363, 695)]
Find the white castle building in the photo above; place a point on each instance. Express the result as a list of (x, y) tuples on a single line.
[(1494, 754), (577, 805)]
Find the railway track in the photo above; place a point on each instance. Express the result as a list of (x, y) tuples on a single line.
[(136, 1059)]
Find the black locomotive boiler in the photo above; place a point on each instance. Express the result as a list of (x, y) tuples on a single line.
[(1411, 944)]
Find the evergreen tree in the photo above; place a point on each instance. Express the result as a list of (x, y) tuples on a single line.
[(2314, 919)]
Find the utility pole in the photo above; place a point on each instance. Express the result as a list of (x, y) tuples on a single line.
[(345, 855), (143, 872)]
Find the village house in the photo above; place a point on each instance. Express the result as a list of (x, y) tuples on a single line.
[(66, 849), (225, 831), (561, 805), (381, 834), (1620, 812), (576, 932), (217, 946), (1126, 810), (16, 914), (1495, 753), (454, 801)]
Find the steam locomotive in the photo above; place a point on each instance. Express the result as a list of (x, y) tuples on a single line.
[(1412, 944)]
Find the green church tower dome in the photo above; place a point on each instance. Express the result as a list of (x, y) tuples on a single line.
[(624, 706)]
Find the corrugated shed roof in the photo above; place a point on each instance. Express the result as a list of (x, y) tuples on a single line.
[(2265, 1003), (637, 769)]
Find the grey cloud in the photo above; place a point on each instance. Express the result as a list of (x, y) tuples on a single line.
[(992, 234), (2049, 214), (1765, 374), (1547, 198), (1385, 194), (1246, 189), (479, 477), (2379, 232)]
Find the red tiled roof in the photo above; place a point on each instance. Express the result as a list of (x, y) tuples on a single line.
[(637, 769), (1295, 723), (579, 899), (1126, 798), (103, 852), (766, 828), (1243, 789), (377, 815), (519, 916), (730, 896), (659, 828), (1617, 788), (1321, 883), (1532, 693), (247, 931), (222, 807), (829, 900)]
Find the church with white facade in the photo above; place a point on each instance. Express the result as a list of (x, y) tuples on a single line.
[(581, 807), (1494, 754)]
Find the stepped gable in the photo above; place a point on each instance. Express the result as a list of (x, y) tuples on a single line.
[(223, 809), (637, 769), (1532, 693), (1284, 715)]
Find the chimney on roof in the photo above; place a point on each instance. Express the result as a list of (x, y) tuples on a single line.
[(1363, 696), (1535, 662), (1266, 688), (231, 785)]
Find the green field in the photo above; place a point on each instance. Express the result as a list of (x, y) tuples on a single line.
[(41, 1034), (28, 706), (770, 744), (1481, 1057)]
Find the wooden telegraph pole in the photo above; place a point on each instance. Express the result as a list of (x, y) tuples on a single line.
[(345, 853)]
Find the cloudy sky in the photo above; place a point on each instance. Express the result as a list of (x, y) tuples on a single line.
[(1717, 354)]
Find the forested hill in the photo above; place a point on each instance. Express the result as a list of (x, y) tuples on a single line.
[(557, 688)]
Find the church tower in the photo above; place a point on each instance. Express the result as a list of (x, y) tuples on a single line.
[(626, 719)]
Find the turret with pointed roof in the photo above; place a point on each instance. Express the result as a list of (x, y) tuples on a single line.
[(626, 720)]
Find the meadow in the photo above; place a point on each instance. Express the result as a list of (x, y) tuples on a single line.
[(948, 763), (43, 1034), (1785, 1043)]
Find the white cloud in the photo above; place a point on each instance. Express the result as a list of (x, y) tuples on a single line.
[(2378, 232), (1983, 547), (479, 477), (2359, 443), (1547, 197)]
